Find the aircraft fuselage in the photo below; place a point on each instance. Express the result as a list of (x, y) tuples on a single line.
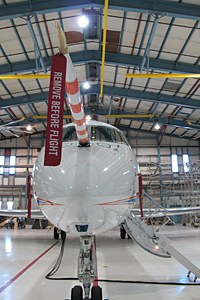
[(93, 187)]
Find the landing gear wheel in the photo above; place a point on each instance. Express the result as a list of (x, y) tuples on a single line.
[(122, 233), (63, 235), (55, 233), (96, 293), (77, 293)]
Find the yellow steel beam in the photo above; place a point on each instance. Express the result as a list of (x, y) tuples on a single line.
[(134, 116), (46, 76), (162, 75), (104, 46), (131, 116), (27, 76), (45, 117)]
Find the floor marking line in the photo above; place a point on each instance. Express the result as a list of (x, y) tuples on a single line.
[(7, 284)]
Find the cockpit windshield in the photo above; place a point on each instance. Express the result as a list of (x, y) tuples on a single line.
[(69, 134), (97, 133)]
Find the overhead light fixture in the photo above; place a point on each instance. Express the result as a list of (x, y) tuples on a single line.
[(83, 21), (157, 126), (88, 118), (86, 85), (29, 127)]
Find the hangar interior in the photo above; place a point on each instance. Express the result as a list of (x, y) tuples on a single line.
[(158, 116), (148, 37)]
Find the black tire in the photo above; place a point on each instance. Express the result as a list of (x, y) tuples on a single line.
[(122, 233), (96, 293), (63, 235), (77, 293), (55, 233)]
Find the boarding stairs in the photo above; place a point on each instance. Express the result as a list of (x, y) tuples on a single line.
[(154, 242)]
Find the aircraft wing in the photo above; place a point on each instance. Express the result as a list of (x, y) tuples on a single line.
[(35, 213), (156, 213), (153, 213)]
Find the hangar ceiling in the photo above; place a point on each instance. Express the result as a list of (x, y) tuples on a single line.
[(149, 36)]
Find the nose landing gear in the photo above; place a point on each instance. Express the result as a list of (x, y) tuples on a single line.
[(77, 293), (96, 293), (87, 271)]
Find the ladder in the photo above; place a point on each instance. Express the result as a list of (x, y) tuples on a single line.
[(156, 243)]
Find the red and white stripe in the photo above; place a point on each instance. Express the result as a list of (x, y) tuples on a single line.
[(75, 103)]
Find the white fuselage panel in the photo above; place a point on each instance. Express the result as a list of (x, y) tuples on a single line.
[(93, 186)]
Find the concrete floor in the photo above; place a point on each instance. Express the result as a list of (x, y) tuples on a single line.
[(28, 255)]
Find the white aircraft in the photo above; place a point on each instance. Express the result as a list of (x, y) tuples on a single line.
[(93, 189), (95, 185), (90, 192)]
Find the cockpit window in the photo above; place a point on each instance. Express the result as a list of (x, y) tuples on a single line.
[(69, 134), (97, 133), (106, 134)]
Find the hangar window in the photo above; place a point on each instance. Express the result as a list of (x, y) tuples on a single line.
[(2, 160), (186, 163), (174, 163), (12, 162), (9, 204)]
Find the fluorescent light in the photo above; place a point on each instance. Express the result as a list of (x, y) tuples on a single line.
[(157, 126), (86, 85), (83, 21), (29, 127), (88, 118)]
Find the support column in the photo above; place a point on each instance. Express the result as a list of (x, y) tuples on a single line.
[(160, 175), (27, 173)]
